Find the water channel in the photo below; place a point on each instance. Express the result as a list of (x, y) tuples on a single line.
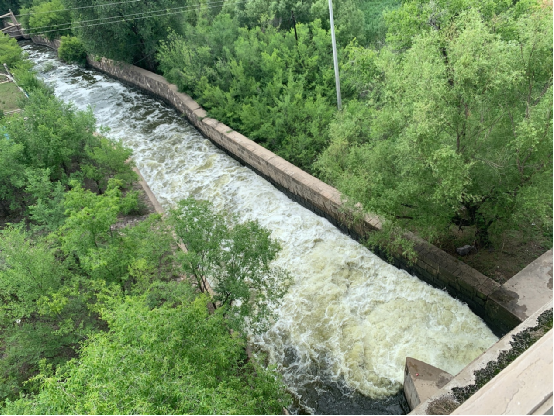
[(350, 319)]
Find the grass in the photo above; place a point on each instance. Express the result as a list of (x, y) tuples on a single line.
[(10, 96)]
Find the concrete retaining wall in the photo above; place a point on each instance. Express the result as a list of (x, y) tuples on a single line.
[(39, 40), (434, 266)]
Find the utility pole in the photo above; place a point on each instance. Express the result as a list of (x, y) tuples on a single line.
[(335, 60)]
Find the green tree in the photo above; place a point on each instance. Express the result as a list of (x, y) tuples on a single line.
[(30, 272), (107, 160), (46, 208), (125, 31), (6, 5), (51, 19), (353, 18), (165, 360), (264, 83), (88, 232), (455, 130), (10, 52), (72, 50), (234, 257), (54, 136), (420, 16), (12, 172), (50, 298)]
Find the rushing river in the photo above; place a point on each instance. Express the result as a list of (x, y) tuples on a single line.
[(350, 319)]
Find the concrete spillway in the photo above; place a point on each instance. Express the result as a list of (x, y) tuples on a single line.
[(350, 319)]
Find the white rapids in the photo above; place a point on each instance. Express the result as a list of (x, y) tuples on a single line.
[(349, 316)]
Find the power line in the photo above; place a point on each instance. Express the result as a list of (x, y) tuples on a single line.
[(76, 8), (123, 19), (118, 17)]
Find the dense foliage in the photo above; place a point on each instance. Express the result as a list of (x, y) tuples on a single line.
[(126, 31), (265, 68), (244, 282), (10, 52), (176, 359), (49, 18), (72, 50), (77, 283), (6, 5), (456, 129), (270, 86), (447, 123), (448, 104)]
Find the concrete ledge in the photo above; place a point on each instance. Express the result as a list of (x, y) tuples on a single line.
[(422, 380), (149, 193), (522, 388), (444, 398), (54, 44), (530, 288)]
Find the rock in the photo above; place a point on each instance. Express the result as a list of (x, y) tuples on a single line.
[(465, 250)]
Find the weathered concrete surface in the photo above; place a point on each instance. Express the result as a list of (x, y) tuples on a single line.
[(422, 380), (466, 377), (149, 192), (39, 40), (528, 290), (522, 388)]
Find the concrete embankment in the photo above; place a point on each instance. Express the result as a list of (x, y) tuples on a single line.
[(482, 294)]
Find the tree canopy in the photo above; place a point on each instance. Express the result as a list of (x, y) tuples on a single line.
[(455, 128), (164, 360)]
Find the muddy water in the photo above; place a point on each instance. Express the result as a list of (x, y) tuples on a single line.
[(350, 319)]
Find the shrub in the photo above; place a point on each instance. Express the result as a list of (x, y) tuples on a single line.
[(10, 52), (72, 50)]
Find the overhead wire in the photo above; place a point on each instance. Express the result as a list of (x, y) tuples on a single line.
[(76, 8), (116, 17), (125, 19)]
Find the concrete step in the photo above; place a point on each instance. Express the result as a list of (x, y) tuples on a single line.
[(422, 380)]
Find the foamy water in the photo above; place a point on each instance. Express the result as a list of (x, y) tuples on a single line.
[(349, 316)]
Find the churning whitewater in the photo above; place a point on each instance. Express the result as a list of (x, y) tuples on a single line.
[(349, 317)]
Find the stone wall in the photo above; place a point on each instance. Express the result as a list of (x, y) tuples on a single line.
[(39, 40), (433, 266)]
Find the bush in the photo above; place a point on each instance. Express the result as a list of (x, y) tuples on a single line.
[(10, 52), (277, 90), (72, 50), (165, 360)]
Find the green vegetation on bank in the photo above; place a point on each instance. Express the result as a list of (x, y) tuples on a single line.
[(447, 122), (72, 50), (95, 316)]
